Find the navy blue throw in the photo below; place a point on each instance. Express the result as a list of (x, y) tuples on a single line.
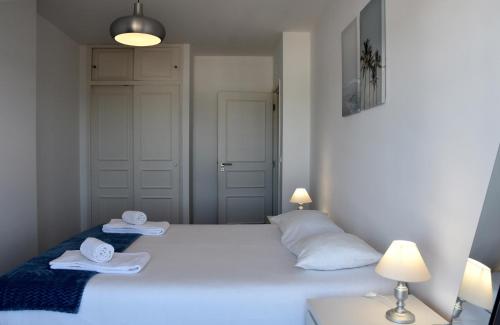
[(34, 286)]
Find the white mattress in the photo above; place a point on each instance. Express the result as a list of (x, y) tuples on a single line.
[(220, 275)]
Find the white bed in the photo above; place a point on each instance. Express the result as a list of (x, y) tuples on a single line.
[(220, 275)]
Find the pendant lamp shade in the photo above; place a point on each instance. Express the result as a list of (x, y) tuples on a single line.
[(137, 30)]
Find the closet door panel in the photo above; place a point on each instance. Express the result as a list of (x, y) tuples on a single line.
[(112, 64), (156, 151), (158, 64), (111, 152)]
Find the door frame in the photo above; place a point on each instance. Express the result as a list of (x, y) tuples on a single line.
[(277, 147), (85, 103)]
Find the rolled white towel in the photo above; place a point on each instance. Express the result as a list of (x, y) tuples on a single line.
[(96, 250), (134, 217)]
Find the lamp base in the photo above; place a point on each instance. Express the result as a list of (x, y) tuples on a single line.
[(404, 317), (300, 207), (399, 314), (458, 308)]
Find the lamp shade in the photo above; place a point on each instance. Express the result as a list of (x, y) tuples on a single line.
[(137, 29), (477, 287), (300, 196), (403, 262)]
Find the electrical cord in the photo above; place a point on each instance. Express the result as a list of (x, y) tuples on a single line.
[(373, 295)]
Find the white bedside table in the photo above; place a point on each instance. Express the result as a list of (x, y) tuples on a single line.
[(366, 311)]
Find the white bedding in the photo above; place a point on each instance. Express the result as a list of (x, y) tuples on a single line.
[(235, 274)]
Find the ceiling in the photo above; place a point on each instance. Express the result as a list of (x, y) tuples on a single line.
[(212, 27)]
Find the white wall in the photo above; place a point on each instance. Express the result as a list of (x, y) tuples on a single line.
[(18, 233), (84, 137), (213, 74), (295, 113), (57, 135), (418, 167), (186, 134)]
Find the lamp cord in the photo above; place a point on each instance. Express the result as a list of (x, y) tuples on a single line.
[(374, 296)]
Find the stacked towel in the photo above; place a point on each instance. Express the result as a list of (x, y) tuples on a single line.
[(96, 250), (150, 228), (122, 263), (134, 217)]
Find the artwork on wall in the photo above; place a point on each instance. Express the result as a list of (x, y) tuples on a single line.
[(363, 60)]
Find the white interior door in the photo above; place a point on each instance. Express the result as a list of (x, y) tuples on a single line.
[(111, 138), (156, 151), (244, 157)]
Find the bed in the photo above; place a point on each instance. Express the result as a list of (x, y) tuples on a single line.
[(203, 274)]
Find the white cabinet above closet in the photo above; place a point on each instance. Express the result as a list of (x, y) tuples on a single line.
[(157, 64), (112, 64), (138, 64)]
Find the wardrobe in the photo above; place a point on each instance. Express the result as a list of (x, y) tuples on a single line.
[(135, 132)]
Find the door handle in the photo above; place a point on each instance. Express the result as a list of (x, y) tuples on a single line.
[(223, 165)]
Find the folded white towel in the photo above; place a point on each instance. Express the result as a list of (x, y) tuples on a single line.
[(134, 217), (122, 263), (96, 250), (150, 228)]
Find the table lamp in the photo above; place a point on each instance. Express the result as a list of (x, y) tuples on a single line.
[(402, 262), (300, 197), (476, 288)]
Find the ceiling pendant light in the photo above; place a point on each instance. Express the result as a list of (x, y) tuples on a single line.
[(137, 30)]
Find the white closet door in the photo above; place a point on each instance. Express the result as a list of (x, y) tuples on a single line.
[(111, 132), (156, 151)]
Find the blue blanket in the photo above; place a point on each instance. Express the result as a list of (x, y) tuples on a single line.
[(34, 286)]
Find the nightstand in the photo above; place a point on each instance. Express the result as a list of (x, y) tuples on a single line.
[(365, 311)]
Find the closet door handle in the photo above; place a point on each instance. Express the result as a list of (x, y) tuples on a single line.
[(225, 164)]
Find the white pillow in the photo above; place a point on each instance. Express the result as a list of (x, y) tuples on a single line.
[(299, 224), (277, 220), (334, 251)]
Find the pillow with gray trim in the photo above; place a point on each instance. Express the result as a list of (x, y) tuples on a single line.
[(299, 224)]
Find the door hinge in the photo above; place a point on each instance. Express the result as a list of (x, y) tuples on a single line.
[(274, 107), (274, 164)]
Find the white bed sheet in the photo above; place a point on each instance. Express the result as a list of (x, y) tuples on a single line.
[(234, 274)]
